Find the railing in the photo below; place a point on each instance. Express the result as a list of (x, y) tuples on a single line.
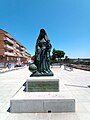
[(23, 54), (17, 50), (8, 53), (9, 40), (23, 48), (17, 45), (8, 46)]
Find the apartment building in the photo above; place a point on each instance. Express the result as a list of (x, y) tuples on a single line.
[(12, 52)]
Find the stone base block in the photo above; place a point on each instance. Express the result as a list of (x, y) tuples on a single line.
[(42, 106), (42, 84), (42, 102)]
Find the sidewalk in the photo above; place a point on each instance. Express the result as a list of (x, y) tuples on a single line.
[(76, 81), (3, 70)]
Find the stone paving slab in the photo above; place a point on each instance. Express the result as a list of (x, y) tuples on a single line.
[(3, 70), (76, 80)]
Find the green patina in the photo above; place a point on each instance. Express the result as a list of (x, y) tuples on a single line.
[(46, 86), (41, 64)]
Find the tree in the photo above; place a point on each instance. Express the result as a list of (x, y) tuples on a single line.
[(57, 54)]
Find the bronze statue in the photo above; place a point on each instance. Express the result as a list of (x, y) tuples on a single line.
[(41, 65)]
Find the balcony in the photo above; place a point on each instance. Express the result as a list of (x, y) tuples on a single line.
[(23, 54), (8, 46), (17, 50), (22, 48), (17, 45), (9, 40), (9, 53)]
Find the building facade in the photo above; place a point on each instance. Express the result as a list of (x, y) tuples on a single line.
[(12, 52)]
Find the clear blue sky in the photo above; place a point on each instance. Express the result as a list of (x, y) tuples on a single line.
[(67, 23)]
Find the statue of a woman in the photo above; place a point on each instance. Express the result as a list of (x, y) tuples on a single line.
[(42, 55)]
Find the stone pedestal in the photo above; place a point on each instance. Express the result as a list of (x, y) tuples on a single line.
[(42, 95)]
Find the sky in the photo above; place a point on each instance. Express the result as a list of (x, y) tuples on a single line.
[(67, 24)]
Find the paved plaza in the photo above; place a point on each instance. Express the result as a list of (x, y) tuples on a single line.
[(76, 81)]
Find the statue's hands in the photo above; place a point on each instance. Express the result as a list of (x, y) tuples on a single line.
[(46, 38), (39, 49)]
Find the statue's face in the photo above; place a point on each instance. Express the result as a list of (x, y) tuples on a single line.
[(42, 33)]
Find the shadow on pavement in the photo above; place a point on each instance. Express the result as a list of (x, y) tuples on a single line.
[(77, 86)]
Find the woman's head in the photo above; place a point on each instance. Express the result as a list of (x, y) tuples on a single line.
[(42, 33)]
